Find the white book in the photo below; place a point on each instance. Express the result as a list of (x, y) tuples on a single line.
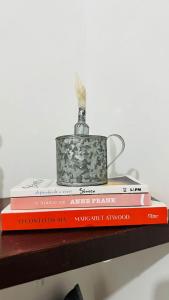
[(48, 187)]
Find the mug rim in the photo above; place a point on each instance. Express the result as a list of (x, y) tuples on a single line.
[(73, 136)]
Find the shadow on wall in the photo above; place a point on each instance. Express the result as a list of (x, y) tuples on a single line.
[(1, 173), (117, 273), (162, 291), (112, 152)]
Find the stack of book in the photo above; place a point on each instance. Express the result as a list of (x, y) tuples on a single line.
[(42, 204)]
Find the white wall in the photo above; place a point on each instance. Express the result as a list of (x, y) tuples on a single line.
[(120, 49)]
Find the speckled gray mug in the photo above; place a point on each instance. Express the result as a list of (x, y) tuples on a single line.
[(82, 159)]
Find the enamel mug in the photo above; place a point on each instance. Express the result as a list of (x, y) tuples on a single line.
[(82, 159)]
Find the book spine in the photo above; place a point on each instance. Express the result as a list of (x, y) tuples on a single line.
[(80, 201), (89, 190), (84, 218)]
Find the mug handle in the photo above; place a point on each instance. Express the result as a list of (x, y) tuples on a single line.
[(122, 149)]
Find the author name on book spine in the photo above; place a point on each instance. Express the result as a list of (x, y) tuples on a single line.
[(76, 219)]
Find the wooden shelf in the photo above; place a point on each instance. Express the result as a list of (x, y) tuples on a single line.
[(26, 256)]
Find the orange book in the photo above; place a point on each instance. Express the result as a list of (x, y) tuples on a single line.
[(157, 213)]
